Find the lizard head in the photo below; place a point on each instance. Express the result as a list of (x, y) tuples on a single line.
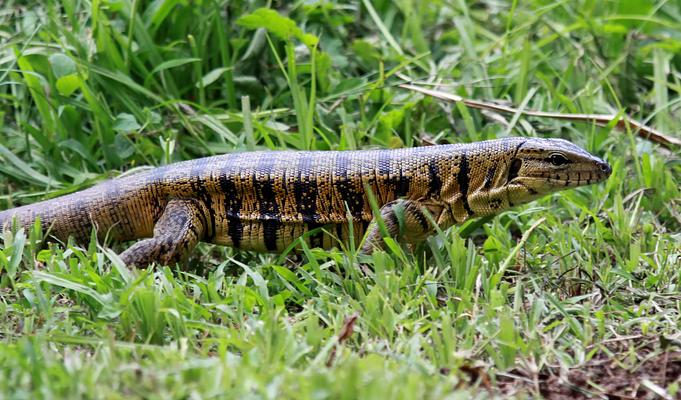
[(542, 166), (526, 169)]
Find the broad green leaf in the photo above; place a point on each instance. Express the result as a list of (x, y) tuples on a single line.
[(278, 25), (62, 65), (123, 147), (126, 123), (68, 84)]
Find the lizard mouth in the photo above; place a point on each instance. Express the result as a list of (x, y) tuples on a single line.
[(561, 174), (572, 179)]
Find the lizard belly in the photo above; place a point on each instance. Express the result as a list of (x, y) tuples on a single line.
[(266, 236)]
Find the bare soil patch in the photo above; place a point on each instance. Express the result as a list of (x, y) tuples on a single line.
[(631, 368)]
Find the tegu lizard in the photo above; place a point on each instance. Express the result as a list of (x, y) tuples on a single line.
[(265, 201)]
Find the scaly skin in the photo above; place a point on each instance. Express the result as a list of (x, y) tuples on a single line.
[(265, 201)]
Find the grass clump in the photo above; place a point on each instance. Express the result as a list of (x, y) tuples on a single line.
[(585, 304)]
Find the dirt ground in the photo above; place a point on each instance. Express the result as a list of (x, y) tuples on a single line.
[(631, 368)]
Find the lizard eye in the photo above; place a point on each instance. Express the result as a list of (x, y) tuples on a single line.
[(558, 159)]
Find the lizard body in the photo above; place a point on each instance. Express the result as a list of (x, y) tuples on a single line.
[(264, 201)]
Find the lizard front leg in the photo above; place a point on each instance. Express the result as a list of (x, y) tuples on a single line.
[(405, 221), (176, 233)]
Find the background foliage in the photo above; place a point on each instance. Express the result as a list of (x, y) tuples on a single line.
[(90, 89)]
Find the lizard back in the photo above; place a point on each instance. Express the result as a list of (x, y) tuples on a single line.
[(265, 201)]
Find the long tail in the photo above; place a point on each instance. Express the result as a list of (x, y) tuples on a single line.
[(120, 209)]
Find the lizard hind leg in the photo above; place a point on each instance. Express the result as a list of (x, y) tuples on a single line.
[(404, 221), (181, 226)]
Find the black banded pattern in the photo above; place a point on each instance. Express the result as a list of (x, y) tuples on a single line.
[(265, 201)]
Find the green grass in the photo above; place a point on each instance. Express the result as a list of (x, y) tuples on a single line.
[(95, 88)]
